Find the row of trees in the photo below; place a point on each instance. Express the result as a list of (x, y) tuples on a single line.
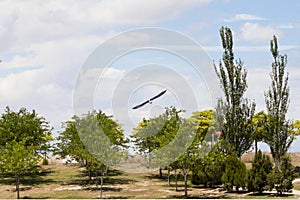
[(236, 114), (170, 141), (25, 139), (235, 118)]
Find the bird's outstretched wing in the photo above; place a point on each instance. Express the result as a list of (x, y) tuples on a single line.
[(149, 101), (158, 95), (140, 105)]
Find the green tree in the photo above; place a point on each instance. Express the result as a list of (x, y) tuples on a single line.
[(235, 173), (234, 111), (296, 127), (186, 161), (258, 174), (205, 123), (259, 120), (209, 169), (195, 144), (24, 136), (279, 137), (282, 178), (69, 142), (154, 134), (96, 139)]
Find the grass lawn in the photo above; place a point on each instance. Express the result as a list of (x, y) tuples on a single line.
[(71, 182)]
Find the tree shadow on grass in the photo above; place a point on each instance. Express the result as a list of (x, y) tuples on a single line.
[(119, 197), (34, 179), (115, 172), (111, 172), (118, 181), (29, 197), (106, 181), (180, 177), (104, 189)]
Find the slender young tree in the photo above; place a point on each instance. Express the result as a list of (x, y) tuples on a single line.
[(24, 137), (259, 120), (234, 111), (279, 137)]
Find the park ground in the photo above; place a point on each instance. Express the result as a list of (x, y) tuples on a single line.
[(71, 182)]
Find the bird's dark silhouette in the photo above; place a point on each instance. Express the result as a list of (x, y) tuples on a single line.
[(150, 100)]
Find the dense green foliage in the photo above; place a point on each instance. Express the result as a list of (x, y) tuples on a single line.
[(281, 178), (278, 137), (235, 173), (258, 174), (234, 111), (208, 171), (24, 137), (94, 139)]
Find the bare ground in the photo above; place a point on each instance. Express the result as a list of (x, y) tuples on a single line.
[(63, 181)]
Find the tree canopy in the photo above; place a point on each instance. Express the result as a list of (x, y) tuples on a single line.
[(279, 137), (234, 111), (24, 136)]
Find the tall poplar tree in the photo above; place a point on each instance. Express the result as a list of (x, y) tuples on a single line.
[(234, 111), (279, 137)]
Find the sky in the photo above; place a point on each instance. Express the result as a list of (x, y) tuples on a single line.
[(51, 53)]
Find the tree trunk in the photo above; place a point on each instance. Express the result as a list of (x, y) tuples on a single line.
[(176, 180), (169, 174), (101, 186), (18, 185), (97, 179), (277, 163), (160, 172), (255, 146), (89, 171), (185, 174), (185, 184), (90, 176)]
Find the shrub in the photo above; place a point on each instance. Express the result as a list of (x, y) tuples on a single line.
[(209, 169), (235, 173), (282, 177), (257, 175)]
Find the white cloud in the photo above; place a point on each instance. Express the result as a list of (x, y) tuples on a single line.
[(58, 36), (254, 32), (244, 17), (286, 26), (26, 22)]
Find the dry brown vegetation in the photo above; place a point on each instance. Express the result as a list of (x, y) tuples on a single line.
[(71, 181), (248, 157)]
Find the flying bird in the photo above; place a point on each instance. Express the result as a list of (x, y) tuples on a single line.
[(150, 100)]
